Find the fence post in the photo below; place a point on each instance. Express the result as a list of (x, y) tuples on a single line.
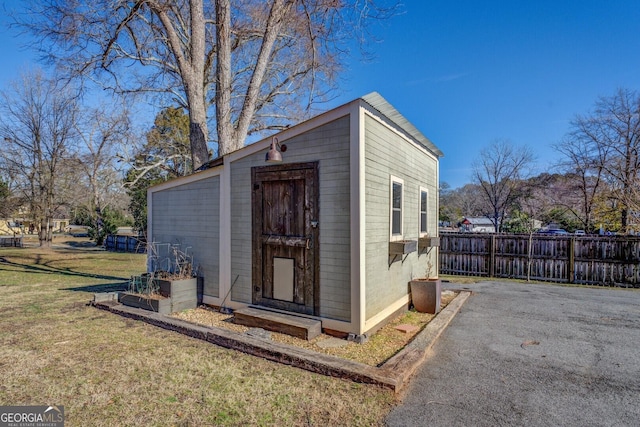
[(492, 255), (529, 254), (572, 264)]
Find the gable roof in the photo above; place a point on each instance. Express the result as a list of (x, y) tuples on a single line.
[(375, 100)]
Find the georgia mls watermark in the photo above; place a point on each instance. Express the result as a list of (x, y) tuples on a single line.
[(31, 416)]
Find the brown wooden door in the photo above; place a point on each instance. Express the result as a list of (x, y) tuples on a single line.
[(285, 237)]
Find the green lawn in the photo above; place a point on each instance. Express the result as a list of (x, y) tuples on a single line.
[(107, 370)]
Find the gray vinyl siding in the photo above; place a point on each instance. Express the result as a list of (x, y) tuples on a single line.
[(189, 216), (329, 145), (386, 155)]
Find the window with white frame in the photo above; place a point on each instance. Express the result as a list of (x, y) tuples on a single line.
[(397, 201), (423, 223)]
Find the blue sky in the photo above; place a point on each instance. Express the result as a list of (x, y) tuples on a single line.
[(469, 72)]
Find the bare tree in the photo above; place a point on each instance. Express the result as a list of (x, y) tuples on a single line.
[(100, 132), (37, 126), (583, 163), (260, 64), (499, 171), (611, 137), (465, 201), (6, 208)]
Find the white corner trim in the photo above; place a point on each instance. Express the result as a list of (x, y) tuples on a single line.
[(149, 225), (437, 219), (357, 221), (397, 305), (224, 250)]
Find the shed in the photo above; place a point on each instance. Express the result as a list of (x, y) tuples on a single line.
[(334, 231)]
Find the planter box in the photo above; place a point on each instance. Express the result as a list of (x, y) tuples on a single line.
[(428, 242), (175, 295), (425, 295), (183, 292), (160, 305), (402, 247)]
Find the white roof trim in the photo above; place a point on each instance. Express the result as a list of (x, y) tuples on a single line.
[(375, 100)]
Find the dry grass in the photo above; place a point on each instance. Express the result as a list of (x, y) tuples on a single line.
[(107, 370), (462, 280), (383, 344)]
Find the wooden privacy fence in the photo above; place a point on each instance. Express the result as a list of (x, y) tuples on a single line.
[(596, 260), (125, 243)]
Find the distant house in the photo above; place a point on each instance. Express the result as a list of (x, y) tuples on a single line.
[(57, 225), (26, 226), (334, 230), (477, 225), (10, 227)]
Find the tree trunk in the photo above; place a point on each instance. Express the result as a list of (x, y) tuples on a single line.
[(44, 233), (223, 82), (231, 136), (190, 59), (199, 133), (279, 9)]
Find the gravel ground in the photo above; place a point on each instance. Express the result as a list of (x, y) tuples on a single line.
[(380, 347)]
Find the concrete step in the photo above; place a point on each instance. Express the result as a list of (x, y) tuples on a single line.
[(300, 327)]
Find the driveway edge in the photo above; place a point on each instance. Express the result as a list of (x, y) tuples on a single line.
[(407, 361)]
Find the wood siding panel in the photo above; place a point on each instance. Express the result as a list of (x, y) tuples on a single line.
[(189, 216), (387, 154), (329, 145)]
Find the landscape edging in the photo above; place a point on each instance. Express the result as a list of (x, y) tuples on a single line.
[(393, 374)]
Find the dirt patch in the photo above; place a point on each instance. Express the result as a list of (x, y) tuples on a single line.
[(379, 348)]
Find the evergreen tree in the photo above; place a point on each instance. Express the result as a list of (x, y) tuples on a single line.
[(165, 155)]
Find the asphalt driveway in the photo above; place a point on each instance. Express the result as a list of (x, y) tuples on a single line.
[(531, 354)]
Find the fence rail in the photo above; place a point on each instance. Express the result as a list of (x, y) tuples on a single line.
[(125, 243), (601, 260)]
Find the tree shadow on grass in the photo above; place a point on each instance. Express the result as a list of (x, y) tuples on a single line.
[(102, 288), (45, 268), (81, 245)]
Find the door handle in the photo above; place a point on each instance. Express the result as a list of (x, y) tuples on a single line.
[(308, 240)]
